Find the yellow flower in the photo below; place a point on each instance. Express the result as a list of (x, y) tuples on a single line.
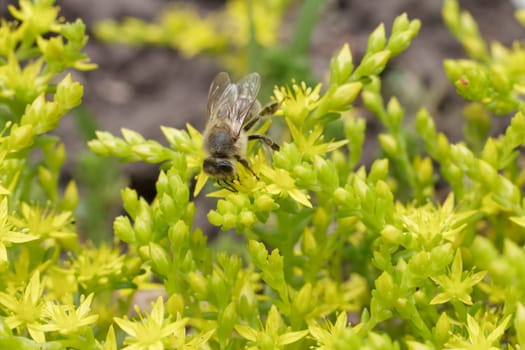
[(481, 335), (61, 284), (311, 144), (456, 284), (44, 223), (331, 337), (430, 225), (65, 319), (190, 33), (111, 340), (95, 267), (7, 234), (27, 309), (273, 335), (266, 20), (296, 102), (284, 185), (154, 331)]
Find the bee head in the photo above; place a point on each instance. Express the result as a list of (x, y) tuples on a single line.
[(220, 168)]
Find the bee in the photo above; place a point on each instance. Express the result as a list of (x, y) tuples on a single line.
[(232, 110)]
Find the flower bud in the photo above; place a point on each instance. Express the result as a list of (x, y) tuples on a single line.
[(487, 173), (424, 169), (308, 243), (179, 234), (160, 259), (52, 48), (420, 262), (383, 192), (379, 170), (401, 24), (219, 288), (385, 288), (508, 190), (198, 283), (247, 304), (20, 137), (247, 218), (443, 328), (264, 202), (425, 124), (304, 173), (340, 196), (215, 218), (46, 178), (400, 42), (130, 201), (302, 301), (391, 234), (224, 206), (344, 95), (227, 320), (499, 78), (167, 205), (132, 137), (69, 93), (123, 230), (175, 304), (70, 199), (360, 188), (389, 144), (443, 146), (376, 40), (441, 256), (373, 64), (229, 221), (341, 66), (240, 200), (394, 113), (258, 252), (143, 228), (519, 323), (74, 31)]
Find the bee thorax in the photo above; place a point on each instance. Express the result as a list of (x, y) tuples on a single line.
[(220, 143)]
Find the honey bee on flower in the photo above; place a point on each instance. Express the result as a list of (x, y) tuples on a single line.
[(232, 110)]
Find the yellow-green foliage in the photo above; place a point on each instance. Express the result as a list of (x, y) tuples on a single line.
[(244, 36), (333, 255), (224, 33)]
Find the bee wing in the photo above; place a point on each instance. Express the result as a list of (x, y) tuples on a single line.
[(233, 101), (246, 90), (217, 88)]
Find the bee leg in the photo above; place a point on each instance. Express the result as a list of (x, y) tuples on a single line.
[(264, 139), (227, 185), (268, 109), (245, 163), (251, 123)]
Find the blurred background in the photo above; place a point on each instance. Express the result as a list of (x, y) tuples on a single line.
[(157, 58)]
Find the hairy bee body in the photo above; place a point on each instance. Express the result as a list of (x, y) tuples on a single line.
[(232, 108), (223, 149), (219, 141)]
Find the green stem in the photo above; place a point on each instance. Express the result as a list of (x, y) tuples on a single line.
[(310, 11), (253, 45)]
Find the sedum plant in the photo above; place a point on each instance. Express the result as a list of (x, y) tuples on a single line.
[(335, 255)]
